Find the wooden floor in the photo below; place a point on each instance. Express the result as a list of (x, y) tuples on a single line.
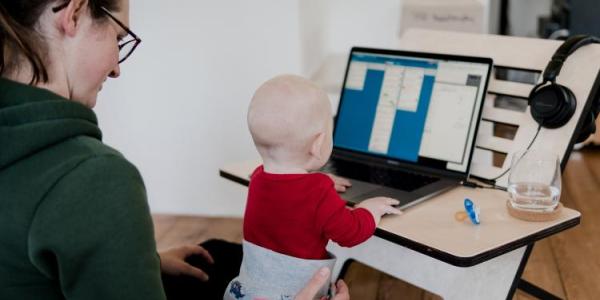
[(567, 264)]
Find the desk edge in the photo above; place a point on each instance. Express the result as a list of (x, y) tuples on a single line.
[(469, 261)]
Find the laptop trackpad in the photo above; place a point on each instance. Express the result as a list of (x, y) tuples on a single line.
[(357, 189), (403, 196), (361, 190)]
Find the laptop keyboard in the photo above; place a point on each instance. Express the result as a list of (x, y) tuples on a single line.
[(399, 179)]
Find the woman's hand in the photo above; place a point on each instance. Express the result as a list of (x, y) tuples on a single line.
[(317, 281), (341, 184), (173, 262), (342, 292)]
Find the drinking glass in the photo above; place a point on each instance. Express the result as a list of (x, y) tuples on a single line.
[(534, 183)]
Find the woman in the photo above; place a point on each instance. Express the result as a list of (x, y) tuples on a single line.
[(74, 219)]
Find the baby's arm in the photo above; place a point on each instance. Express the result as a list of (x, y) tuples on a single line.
[(348, 227), (380, 206)]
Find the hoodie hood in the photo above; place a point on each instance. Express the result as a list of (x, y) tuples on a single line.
[(32, 119)]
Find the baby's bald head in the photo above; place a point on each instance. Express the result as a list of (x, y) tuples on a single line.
[(286, 113)]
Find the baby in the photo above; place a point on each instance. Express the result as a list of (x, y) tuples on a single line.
[(292, 212)]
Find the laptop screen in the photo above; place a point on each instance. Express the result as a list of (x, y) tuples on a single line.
[(415, 108)]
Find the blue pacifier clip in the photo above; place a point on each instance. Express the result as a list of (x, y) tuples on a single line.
[(472, 211)]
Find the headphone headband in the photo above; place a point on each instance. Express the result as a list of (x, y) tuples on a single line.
[(567, 48)]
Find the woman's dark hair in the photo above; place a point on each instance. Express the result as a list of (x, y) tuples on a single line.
[(19, 39)]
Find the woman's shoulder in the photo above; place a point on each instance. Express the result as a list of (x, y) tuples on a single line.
[(89, 146), (94, 177), (96, 160), (84, 167)]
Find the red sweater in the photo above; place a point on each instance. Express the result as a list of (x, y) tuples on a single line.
[(297, 214)]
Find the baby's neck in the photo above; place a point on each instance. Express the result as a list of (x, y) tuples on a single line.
[(275, 168)]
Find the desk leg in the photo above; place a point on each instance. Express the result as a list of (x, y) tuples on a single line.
[(517, 279), (526, 286), (492, 279)]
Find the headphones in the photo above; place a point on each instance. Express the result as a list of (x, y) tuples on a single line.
[(552, 105)]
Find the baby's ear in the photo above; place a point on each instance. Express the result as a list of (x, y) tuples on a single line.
[(317, 143)]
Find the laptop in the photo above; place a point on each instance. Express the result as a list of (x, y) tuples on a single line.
[(406, 123)]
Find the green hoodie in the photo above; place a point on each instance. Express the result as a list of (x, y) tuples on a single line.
[(74, 220)]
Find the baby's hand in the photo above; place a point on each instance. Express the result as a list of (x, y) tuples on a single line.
[(380, 206), (341, 184)]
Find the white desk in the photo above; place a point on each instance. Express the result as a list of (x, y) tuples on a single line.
[(428, 248)]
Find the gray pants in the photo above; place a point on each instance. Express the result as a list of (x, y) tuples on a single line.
[(266, 274)]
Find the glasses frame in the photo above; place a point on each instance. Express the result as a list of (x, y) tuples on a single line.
[(135, 39)]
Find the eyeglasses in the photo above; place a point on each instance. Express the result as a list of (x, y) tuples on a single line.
[(127, 44)]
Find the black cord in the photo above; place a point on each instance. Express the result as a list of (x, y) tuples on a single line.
[(493, 180), (475, 185)]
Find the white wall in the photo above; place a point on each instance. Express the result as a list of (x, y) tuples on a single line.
[(334, 26), (523, 16), (178, 110)]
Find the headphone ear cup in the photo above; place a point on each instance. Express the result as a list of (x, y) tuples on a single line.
[(538, 116), (567, 109), (552, 106)]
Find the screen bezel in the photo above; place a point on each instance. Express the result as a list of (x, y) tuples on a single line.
[(382, 160)]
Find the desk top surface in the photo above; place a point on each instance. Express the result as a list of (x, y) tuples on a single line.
[(430, 227)]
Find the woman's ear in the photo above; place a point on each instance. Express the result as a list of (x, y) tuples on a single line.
[(317, 144), (70, 17)]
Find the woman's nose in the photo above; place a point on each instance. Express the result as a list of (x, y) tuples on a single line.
[(116, 72)]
